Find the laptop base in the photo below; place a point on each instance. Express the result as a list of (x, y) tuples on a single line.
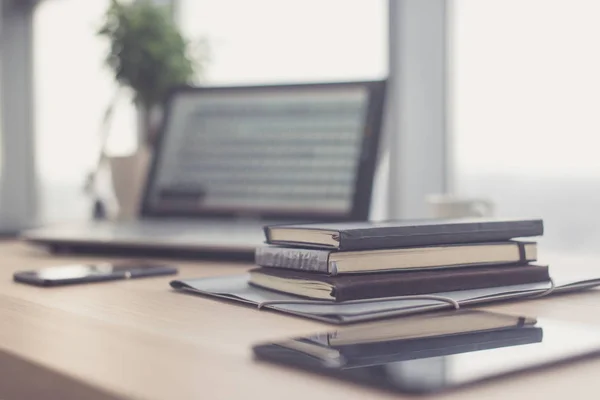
[(101, 250)]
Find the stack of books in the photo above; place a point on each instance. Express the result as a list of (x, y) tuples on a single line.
[(370, 260)]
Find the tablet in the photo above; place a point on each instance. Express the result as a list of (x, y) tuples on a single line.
[(435, 352)]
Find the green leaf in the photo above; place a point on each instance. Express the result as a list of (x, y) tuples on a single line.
[(147, 51)]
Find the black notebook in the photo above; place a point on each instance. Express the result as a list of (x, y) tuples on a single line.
[(405, 233), (391, 284)]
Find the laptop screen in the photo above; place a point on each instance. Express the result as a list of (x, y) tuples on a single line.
[(290, 150)]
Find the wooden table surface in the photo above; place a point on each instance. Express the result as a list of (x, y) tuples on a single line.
[(138, 339)]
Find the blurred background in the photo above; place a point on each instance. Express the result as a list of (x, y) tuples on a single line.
[(522, 94)]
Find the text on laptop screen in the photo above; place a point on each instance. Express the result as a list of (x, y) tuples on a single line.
[(271, 150)]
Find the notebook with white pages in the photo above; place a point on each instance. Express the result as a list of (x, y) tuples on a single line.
[(236, 288)]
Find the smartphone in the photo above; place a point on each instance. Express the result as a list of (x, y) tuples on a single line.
[(88, 273)]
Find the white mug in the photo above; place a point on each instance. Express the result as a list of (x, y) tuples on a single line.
[(446, 206)]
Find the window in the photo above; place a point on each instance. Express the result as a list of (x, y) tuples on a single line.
[(282, 41), (271, 41), (526, 91), (72, 89), (250, 42)]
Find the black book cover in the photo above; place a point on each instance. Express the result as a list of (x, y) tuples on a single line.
[(405, 233), (407, 283)]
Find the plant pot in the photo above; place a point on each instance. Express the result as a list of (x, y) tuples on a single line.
[(128, 174)]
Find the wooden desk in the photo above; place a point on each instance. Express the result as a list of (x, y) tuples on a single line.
[(138, 339)]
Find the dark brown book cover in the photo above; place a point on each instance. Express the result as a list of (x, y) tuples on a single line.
[(406, 283)]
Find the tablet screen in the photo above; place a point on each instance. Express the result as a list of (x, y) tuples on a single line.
[(435, 352)]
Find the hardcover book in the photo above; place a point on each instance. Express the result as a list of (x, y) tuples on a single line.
[(406, 233), (447, 256), (391, 284)]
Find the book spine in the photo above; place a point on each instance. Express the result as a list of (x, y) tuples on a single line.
[(291, 258)]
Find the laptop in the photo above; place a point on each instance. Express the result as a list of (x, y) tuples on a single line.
[(230, 160)]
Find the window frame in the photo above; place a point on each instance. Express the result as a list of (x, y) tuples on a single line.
[(417, 136), (18, 186)]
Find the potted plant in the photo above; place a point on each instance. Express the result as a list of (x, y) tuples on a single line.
[(149, 55)]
